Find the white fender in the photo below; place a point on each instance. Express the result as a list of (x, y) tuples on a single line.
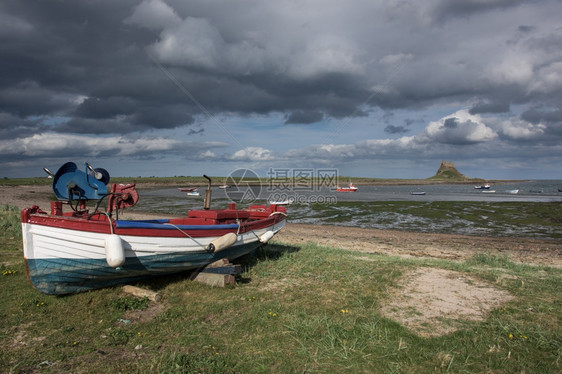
[(223, 242), (266, 236), (114, 252)]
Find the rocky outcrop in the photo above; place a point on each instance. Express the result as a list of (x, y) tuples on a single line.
[(447, 170)]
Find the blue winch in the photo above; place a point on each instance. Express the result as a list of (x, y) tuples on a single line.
[(70, 183)]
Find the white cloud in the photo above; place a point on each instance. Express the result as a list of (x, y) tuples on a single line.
[(207, 154), (154, 14), (199, 42), (323, 55), (458, 128), (253, 154), (194, 42), (59, 145), (548, 79), (395, 59), (521, 130), (364, 149)]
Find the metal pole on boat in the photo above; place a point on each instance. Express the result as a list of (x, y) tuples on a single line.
[(50, 174), (207, 201)]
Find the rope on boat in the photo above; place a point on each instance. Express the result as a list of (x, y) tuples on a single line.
[(274, 213), (205, 248), (186, 234), (110, 223)]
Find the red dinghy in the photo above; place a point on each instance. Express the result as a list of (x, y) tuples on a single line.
[(350, 188), (187, 189)]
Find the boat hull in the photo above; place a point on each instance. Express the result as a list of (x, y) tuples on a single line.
[(65, 255)]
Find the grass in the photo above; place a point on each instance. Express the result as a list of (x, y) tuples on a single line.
[(294, 309)]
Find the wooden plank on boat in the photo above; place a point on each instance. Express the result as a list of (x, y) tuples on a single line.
[(215, 280), (141, 292)]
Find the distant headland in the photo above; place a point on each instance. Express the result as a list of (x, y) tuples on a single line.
[(448, 171)]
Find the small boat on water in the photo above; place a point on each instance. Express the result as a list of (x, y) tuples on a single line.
[(288, 201), (483, 187), (419, 193), (349, 188), (513, 192), (488, 191), (224, 186), (187, 189), (85, 249), (193, 193)]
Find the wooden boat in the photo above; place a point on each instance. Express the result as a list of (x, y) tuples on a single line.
[(81, 250), (187, 189), (349, 188)]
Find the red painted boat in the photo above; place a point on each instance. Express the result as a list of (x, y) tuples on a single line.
[(83, 249), (350, 188), (187, 189)]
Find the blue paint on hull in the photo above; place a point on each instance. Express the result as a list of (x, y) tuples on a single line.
[(59, 276)]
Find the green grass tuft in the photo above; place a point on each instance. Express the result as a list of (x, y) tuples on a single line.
[(10, 223), (130, 303)]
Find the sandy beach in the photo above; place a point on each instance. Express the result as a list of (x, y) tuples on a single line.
[(390, 242)]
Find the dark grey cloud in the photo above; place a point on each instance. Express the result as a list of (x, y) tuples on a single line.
[(138, 67), (304, 117), (464, 8), (489, 107), (526, 28), (391, 129), (451, 123), (107, 107), (15, 127), (410, 121), (548, 116), (110, 54)]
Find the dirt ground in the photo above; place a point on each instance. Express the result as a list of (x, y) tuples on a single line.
[(429, 301), (415, 244)]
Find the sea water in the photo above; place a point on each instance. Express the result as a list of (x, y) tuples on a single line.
[(445, 208)]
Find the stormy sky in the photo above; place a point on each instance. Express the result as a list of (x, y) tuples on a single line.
[(371, 88)]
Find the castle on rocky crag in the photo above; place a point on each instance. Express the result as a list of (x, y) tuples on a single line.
[(447, 170)]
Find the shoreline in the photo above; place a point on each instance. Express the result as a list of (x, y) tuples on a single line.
[(453, 247), (146, 182)]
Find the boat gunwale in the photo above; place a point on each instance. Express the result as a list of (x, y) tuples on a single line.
[(155, 227)]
